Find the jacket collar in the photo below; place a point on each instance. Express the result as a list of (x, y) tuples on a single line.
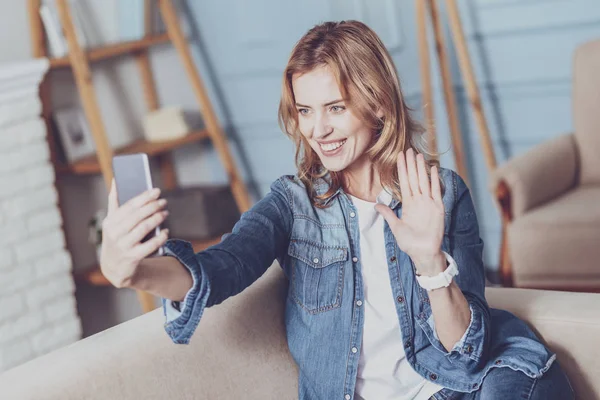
[(323, 184)]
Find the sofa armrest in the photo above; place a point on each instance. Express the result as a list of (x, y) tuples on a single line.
[(238, 351), (536, 177), (569, 324)]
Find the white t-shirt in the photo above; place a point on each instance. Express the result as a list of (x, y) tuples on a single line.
[(383, 371)]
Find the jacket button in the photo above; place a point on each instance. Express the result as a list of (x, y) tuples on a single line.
[(400, 299), (358, 303), (347, 397), (352, 214), (433, 377), (355, 259), (469, 348), (316, 260), (407, 344), (393, 258), (498, 362), (354, 349)]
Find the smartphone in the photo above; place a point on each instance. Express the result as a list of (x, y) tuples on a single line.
[(132, 178)]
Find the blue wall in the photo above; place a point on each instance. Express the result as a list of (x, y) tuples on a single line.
[(521, 51)]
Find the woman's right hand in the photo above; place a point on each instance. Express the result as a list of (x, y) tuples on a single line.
[(123, 230)]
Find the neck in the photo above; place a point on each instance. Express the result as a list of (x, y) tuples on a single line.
[(361, 180)]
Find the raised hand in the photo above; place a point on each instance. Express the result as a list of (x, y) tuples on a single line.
[(420, 230)]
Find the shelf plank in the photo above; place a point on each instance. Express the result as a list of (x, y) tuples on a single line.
[(90, 164), (112, 50), (93, 276)]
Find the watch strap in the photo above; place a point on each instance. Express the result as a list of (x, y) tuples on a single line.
[(443, 279)]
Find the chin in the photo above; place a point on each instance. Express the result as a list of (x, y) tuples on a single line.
[(334, 167)]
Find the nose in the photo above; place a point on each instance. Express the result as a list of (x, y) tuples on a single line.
[(322, 127)]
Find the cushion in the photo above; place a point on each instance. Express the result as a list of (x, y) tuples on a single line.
[(557, 245)]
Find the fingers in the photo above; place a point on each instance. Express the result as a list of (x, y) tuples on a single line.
[(423, 178), (136, 216), (413, 177), (122, 219), (403, 177), (130, 214), (436, 190), (144, 227), (141, 199), (413, 174), (143, 250)]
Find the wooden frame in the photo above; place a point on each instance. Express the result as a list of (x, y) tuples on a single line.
[(503, 194), (504, 200), (458, 38)]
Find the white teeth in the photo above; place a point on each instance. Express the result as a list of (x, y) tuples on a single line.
[(332, 146)]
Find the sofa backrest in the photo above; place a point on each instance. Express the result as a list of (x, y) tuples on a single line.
[(586, 109), (239, 351)]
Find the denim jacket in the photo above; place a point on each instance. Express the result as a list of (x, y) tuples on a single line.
[(319, 252)]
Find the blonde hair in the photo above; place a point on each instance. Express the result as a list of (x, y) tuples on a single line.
[(368, 81)]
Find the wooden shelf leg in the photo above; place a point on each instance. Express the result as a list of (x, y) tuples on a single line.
[(38, 45), (450, 100), (83, 79), (472, 89), (428, 106), (147, 80), (217, 136), (146, 301)]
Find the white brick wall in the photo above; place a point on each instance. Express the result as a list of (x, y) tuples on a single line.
[(38, 311)]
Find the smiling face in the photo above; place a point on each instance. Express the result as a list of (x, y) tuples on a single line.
[(371, 127), (325, 120)]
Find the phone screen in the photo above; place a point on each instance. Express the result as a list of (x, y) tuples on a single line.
[(132, 178)]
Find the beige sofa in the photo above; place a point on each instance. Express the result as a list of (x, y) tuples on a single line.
[(239, 351)]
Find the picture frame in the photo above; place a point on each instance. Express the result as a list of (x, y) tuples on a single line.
[(74, 134)]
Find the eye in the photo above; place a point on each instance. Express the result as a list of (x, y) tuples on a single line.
[(303, 111), (337, 109)]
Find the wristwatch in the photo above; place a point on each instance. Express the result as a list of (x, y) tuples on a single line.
[(443, 279)]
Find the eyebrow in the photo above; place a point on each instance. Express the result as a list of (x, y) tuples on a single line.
[(324, 105)]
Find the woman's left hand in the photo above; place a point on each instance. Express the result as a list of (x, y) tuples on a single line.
[(420, 231)]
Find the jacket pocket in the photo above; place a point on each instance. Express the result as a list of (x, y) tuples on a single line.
[(317, 278)]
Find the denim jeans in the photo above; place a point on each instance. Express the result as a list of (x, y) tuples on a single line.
[(507, 384)]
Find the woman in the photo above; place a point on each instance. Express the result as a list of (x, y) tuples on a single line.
[(380, 245)]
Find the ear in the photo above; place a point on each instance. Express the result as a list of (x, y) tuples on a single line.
[(380, 113)]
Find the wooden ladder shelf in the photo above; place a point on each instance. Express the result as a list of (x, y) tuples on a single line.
[(79, 61)]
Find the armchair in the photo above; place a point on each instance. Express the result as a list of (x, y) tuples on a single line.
[(549, 197)]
